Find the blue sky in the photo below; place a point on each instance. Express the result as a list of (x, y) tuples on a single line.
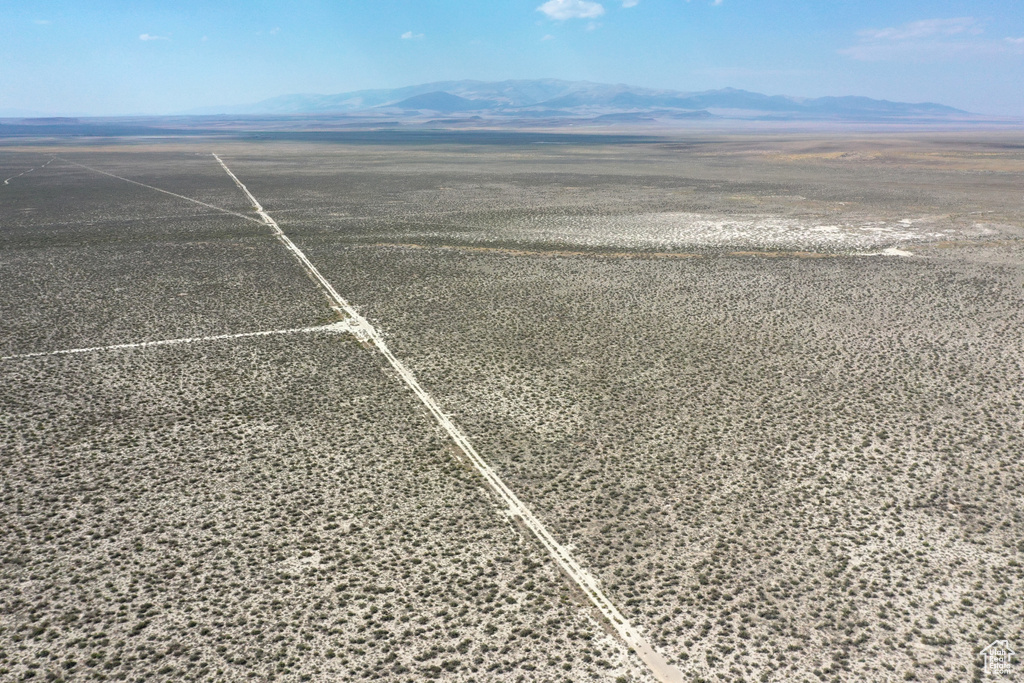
[(103, 57)]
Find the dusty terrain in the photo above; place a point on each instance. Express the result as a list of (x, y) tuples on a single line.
[(786, 451)]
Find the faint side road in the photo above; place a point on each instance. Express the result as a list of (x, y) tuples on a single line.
[(339, 327), (363, 330), (8, 180), (150, 187)]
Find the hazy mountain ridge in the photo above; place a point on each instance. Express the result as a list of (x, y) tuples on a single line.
[(560, 98)]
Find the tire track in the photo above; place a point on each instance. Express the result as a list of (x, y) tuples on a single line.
[(337, 328)]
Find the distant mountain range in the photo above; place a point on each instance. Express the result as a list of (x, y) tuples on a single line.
[(552, 99)]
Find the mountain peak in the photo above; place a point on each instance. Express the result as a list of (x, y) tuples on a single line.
[(583, 98), (440, 100)]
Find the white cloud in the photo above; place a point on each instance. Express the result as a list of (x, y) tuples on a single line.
[(547, 37), (571, 9), (409, 35), (274, 31), (147, 37), (630, 3), (926, 28), (930, 40), (924, 51)]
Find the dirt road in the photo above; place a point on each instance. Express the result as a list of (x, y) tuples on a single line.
[(365, 331)]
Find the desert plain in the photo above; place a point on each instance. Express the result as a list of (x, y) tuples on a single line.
[(766, 389)]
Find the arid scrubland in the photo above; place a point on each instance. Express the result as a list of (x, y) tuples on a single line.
[(779, 467), (785, 456), (260, 509), (88, 260)]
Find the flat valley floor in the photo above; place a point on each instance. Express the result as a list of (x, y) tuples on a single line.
[(768, 390)]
